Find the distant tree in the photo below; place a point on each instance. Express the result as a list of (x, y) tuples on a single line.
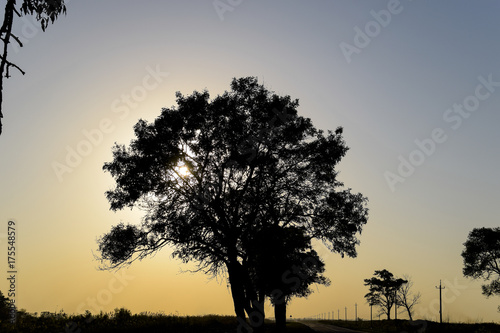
[(211, 175), (4, 308), (122, 314), (45, 10), (406, 298), (383, 288), (482, 258)]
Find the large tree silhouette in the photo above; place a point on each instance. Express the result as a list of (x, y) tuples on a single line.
[(482, 258), (214, 175), (45, 11)]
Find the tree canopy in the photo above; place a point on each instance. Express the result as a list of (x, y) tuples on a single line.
[(383, 289), (481, 258), (4, 307), (214, 177)]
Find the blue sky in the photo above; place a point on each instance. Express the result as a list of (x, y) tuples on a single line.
[(103, 66)]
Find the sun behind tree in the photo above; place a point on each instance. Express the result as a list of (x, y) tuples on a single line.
[(183, 171), (253, 165)]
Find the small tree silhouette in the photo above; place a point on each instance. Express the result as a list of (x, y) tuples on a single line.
[(406, 298), (383, 290)]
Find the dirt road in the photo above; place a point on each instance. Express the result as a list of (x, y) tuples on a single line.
[(324, 328)]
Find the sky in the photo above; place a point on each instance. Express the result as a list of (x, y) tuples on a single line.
[(414, 84)]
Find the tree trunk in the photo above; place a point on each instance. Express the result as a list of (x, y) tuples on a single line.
[(280, 316), (255, 306), (409, 313), (237, 292), (245, 299)]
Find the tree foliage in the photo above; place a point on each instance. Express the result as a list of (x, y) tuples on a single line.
[(4, 308), (45, 11), (284, 268), (383, 289), (481, 258), (255, 168)]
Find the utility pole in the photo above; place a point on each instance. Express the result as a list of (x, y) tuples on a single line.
[(440, 303), (338, 314), (356, 311), (346, 313), (371, 315), (396, 304)]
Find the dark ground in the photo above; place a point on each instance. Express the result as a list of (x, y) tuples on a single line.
[(124, 322), (405, 326)]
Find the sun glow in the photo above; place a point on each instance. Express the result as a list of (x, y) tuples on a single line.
[(183, 171)]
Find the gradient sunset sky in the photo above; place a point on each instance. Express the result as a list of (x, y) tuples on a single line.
[(415, 84)]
